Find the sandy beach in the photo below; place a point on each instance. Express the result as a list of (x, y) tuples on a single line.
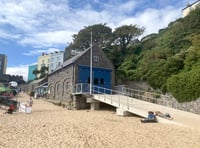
[(53, 126)]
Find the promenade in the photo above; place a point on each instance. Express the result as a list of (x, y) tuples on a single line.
[(52, 126)]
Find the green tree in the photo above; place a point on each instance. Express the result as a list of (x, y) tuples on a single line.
[(192, 58), (43, 71), (100, 37), (124, 34), (36, 72)]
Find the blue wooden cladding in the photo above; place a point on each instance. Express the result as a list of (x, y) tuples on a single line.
[(101, 77)]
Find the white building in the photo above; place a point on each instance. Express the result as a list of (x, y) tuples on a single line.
[(55, 60), (190, 7)]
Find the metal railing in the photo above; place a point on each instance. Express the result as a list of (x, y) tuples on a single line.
[(84, 88), (81, 88), (146, 96)]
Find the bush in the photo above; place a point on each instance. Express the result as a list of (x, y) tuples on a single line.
[(185, 86)]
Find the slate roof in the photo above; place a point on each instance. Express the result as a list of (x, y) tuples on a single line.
[(71, 60), (37, 81), (75, 58)]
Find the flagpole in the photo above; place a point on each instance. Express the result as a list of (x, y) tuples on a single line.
[(91, 66)]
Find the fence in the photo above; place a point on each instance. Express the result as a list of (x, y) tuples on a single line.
[(84, 88)]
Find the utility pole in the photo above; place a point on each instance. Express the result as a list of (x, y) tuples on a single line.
[(91, 66)]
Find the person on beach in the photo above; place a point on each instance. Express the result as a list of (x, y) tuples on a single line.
[(31, 94), (30, 102), (166, 115), (10, 109), (151, 115), (150, 118)]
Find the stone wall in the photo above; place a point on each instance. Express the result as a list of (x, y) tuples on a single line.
[(80, 102), (139, 85), (60, 84), (76, 102), (193, 106)]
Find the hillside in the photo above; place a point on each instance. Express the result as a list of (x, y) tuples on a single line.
[(168, 61)]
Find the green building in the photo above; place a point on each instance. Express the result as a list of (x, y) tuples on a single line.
[(31, 76)]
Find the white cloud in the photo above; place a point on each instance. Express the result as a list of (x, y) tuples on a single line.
[(5, 35), (21, 70), (46, 24), (36, 16), (47, 39), (30, 18), (21, 14), (154, 19), (127, 7)]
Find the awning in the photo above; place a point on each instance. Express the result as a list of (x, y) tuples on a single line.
[(44, 85)]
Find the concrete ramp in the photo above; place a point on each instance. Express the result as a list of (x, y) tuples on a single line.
[(141, 108)]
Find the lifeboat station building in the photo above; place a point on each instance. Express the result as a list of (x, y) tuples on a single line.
[(76, 71)]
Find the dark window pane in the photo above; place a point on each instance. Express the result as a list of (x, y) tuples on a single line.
[(101, 81), (96, 81)]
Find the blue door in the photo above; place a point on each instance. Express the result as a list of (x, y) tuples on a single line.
[(101, 77)]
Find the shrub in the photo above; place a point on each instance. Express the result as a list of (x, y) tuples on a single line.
[(185, 85)]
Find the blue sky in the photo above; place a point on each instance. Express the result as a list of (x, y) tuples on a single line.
[(30, 27)]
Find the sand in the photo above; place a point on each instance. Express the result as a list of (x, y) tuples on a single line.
[(52, 126)]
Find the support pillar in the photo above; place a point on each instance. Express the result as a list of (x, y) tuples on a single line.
[(94, 104), (122, 112), (75, 103)]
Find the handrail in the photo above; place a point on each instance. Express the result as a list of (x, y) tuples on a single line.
[(84, 88)]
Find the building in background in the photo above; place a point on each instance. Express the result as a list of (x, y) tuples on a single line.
[(56, 59), (31, 68), (43, 60), (3, 64), (190, 7)]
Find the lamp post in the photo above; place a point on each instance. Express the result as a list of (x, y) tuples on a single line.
[(91, 66)]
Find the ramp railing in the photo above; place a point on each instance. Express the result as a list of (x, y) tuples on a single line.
[(84, 88)]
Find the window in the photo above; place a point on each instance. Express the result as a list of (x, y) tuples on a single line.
[(96, 58), (51, 90), (59, 63), (58, 88), (88, 80), (96, 81), (102, 81), (67, 85)]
